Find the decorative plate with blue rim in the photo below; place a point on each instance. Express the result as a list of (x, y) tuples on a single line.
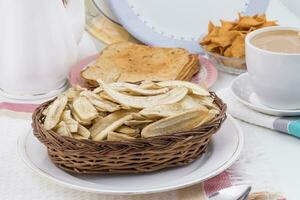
[(178, 23)]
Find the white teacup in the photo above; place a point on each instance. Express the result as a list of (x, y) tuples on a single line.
[(275, 77)]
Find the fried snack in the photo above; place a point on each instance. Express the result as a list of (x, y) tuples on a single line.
[(168, 110), (113, 136), (45, 111), (189, 69), (97, 90), (133, 89), (112, 127), (229, 38), (78, 119), (149, 85), (84, 109), (70, 122), (128, 62), (99, 103), (101, 124), (187, 74), (134, 122), (181, 122), (128, 130), (104, 95), (62, 129), (189, 102), (138, 116), (136, 90), (84, 132), (92, 73), (161, 111), (78, 137), (193, 88), (72, 93), (194, 100), (211, 115), (172, 96), (54, 112), (123, 111)]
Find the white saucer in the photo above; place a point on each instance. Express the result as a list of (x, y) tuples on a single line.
[(27, 103), (243, 92), (223, 150), (33, 98)]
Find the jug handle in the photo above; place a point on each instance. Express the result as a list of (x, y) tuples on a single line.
[(76, 14)]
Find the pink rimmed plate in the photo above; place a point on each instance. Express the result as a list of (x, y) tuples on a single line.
[(207, 76)]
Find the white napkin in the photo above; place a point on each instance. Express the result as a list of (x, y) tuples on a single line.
[(289, 125)]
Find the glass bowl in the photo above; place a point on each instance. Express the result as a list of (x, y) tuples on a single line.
[(228, 64)]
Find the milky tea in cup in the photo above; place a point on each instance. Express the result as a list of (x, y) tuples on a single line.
[(281, 41), (273, 63)]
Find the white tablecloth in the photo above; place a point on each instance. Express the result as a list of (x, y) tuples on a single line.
[(18, 182)]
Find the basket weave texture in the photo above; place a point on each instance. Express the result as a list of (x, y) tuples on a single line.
[(131, 156)]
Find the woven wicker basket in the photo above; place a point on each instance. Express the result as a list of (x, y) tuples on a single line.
[(132, 156)]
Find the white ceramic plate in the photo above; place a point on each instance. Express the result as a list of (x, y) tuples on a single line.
[(178, 23), (223, 150), (243, 92)]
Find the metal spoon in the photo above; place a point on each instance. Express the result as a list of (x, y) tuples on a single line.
[(239, 192)]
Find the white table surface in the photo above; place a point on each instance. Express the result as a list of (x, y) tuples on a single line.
[(281, 150)]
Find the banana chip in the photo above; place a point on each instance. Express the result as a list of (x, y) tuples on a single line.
[(71, 123), (137, 90), (193, 88), (79, 120), (62, 129), (45, 111), (113, 136), (84, 109), (149, 85), (172, 96), (194, 101), (189, 102), (181, 122), (112, 127), (206, 101), (104, 95), (99, 103), (125, 111), (84, 132), (97, 90), (163, 110), (54, 112), (94, 121), (78, 137), (72, 93), (101, 124), (211, 115), (127, 130), (138, 116), (137, 122)]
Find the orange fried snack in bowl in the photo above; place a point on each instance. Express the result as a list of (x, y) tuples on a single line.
[(228, 39)]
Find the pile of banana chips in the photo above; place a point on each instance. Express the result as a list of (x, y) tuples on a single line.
[(126, 111)]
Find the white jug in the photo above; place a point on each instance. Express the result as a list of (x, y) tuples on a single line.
[(38, 44)]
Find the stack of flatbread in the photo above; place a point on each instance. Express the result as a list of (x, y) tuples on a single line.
[(129, 62)]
